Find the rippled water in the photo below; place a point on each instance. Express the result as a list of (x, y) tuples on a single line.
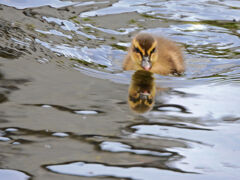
[(63, 94)]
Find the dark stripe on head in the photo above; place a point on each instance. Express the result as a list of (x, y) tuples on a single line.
[(145, 41)]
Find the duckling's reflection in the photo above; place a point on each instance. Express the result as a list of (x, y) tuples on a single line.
[(142, 91)]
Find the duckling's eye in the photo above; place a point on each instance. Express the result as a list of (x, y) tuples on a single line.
[(153, 50), (136, 50)]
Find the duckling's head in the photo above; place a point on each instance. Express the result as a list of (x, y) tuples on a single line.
[(143, 51)]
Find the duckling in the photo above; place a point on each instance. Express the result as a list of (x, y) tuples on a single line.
[(141, 91), (155, 54)]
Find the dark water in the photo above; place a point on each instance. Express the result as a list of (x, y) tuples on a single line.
[(64, 98)]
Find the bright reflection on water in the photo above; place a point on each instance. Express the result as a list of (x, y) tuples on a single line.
[(135, 172), (92, 169), (9, 174), (187, 10), (21, 4), (120, 147), (190, 127)]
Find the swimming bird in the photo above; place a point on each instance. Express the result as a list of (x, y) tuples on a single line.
[(155, 54)]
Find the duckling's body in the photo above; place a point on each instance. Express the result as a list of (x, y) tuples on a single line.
[(154, 54)]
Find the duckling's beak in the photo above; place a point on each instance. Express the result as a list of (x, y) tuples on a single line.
[(146, 63)]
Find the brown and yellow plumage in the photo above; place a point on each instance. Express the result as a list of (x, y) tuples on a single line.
[(155, 54)]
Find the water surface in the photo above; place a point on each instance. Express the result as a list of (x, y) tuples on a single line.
[(64, 97)]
